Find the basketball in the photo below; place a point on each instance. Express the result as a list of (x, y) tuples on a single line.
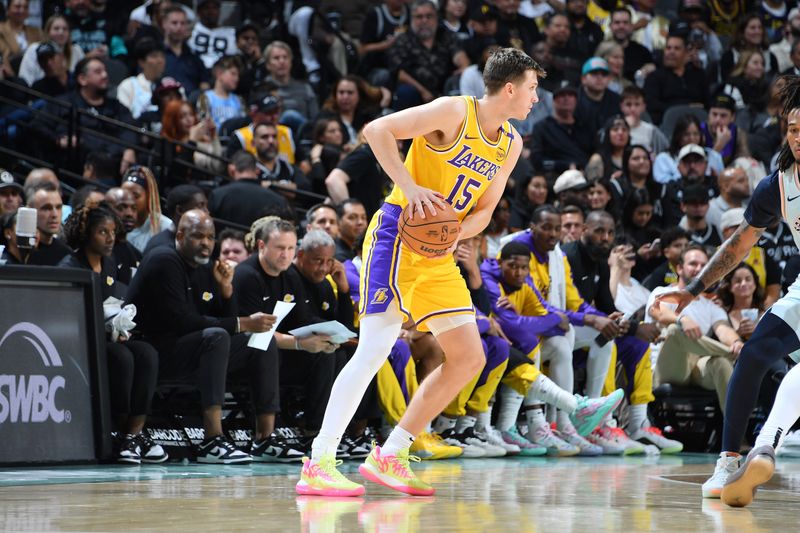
[(430, 236)]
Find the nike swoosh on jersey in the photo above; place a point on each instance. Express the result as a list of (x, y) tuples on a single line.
[(793, 198)]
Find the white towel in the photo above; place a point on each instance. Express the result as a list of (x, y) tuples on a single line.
[(557, 294)]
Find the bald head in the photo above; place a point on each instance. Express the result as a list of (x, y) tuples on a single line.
[(195, 237), (599, 217), (38, 176), (734, 185)]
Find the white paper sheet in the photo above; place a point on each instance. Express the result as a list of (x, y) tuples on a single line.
[(336, 330), (260, 341)]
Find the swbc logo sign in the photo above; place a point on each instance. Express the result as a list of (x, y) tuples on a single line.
[(32, 398)]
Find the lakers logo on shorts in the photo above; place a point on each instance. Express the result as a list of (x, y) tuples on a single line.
[(380, 296)]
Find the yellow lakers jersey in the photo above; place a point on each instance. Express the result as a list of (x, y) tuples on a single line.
[(285, 141), (462, 170)]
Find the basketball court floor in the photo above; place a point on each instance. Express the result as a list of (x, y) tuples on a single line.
[(571, 495)]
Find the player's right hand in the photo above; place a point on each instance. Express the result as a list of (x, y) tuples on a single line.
[(680, 297), (420, 198)]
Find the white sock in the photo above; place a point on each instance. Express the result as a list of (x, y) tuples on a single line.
[(535, 418), (509, 408), (443, 423), (377, 337), (484, 422), (543, 389), (465, 422), (597, 368), (637, 417), (563, 423), (785, 411), (399, 439)]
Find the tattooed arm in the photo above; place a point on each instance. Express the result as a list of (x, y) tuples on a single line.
[(730, 254), (724, 260)]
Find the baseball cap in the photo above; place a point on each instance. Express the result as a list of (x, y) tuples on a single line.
[(565, 87), (167, 84), (46, 50), (7, 181), (265, 103), (732, 217), (594, 64), (691, 149), (794, 12), (724, 101), (695, 194), (482, 11), (570, 179)]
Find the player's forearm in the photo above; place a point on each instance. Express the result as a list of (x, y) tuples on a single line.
[(474, 224), (730, 254)]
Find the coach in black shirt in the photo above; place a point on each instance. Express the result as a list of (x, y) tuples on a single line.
[(265, 278), (186, 309)]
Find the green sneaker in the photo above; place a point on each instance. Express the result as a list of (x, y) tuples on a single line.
[(321, 478), (591, 411), (394, 471)]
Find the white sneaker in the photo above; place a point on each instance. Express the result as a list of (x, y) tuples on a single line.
[(605, 438), (630, 446), (790, 447), (471, 447), (494, 437), (587, 449), (651, 435), (726, 465), (556, 446), (492, 449)]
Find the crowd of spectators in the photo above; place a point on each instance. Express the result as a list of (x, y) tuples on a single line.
[(245, 180)]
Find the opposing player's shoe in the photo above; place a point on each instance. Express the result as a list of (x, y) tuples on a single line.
[(651, 435), (591, 411), (741, 486), (470, 446), (431, 447), (394, 471), (790, 446), (726, 465), (276, 448), (219, 450), (526, 447), (587, 449), (557, 447), (605, 438), (321, 478)]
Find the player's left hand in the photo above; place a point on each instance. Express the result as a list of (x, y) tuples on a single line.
[(421, 198)]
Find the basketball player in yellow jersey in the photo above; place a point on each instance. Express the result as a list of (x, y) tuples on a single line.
[(462, 153)]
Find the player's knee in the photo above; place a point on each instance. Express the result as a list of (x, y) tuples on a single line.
[(472, 361), (761, 352)]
